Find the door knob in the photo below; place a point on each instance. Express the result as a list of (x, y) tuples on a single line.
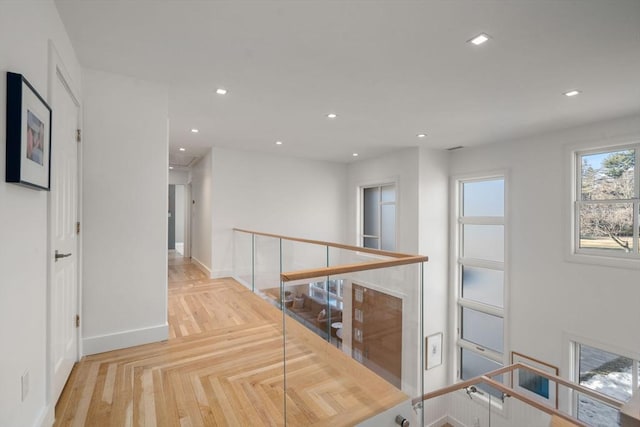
[(59, 255)]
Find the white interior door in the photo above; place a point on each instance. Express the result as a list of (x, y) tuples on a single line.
[(64, 241)]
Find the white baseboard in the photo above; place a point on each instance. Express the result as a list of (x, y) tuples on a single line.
[(47, 417), (206, 270), (242, 282), (218, 274), (124, 339)]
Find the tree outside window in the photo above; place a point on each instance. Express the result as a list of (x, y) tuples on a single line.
[(608, 201)]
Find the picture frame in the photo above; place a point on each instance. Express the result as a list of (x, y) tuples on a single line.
[(532, 385), (433, 351), (28, 132)]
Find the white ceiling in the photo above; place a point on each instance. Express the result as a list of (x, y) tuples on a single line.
[(389, 69)]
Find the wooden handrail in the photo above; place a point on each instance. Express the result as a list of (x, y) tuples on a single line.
[(577, 387), (532, 402), (488, 379), (350, 268), (330, 244), (397, 259)]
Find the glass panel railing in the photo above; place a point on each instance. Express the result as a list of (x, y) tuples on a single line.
[(243, 252), (467, 407), (529, 397), (353, 339), (267, 268), (365, 345)]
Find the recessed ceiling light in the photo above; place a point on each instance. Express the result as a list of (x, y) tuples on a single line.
[(572, 93), (182, 149), (221, 91), (278, 142), (479, 39), (170, 167), (332, 115), (355, 154), (194, 130), (422, 135)]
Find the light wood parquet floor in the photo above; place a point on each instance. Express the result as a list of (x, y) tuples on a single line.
[(222, 366)]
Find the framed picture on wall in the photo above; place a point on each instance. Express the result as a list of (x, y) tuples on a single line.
[(28, 159), (433, 350), (532, 384)]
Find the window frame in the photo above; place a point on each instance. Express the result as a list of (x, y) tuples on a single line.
[(459, 261), (604, 256), (361, 213), (575, 343)]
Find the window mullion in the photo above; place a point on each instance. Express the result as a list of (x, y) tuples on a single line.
[(636, 227), (481, 263), (481, 220), (483, 308), (485, 352)]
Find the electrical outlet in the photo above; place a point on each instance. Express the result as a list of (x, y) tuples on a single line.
[(24, 380)]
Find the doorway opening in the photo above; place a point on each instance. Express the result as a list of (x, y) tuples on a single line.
[(179, 235)]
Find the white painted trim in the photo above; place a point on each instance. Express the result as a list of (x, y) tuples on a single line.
[(571, 251), (202, 267), (242, 282), (58, 70), (125, 339), (395, 180), (218, 274), (47, 416)]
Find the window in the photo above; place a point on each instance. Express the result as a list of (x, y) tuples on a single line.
[(480, 277), (606, 202), (379, 217), (608, 373)]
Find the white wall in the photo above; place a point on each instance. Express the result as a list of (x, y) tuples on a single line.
[(125, 212), (434, 243), (551, 297), (400, 167), (201, 191), (23, 220), (282, 195), (178, 177)]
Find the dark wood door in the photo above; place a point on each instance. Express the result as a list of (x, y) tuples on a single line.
[(377, 332)]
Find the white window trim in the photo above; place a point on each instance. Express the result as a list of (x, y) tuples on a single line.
[(571, 342), (455, 341), (360, 211), (592, 257)]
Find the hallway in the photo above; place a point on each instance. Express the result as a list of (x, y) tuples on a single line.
[(222, 365)]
